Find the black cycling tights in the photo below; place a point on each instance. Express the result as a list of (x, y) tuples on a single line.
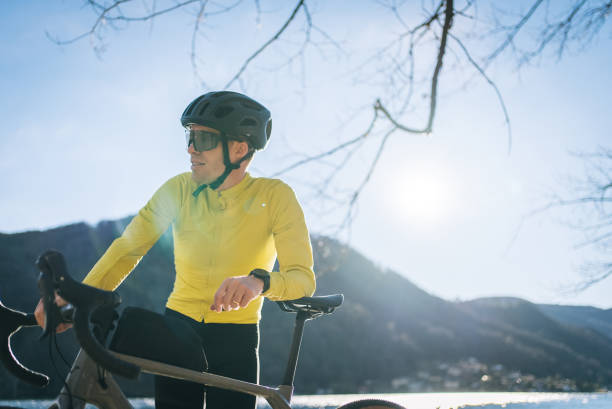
[(231, 350)]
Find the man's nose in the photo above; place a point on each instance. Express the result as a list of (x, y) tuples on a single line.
[(191, 148)]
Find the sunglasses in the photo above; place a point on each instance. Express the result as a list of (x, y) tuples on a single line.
[(202, 140)]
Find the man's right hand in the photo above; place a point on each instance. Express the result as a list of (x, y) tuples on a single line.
[(39, 313)]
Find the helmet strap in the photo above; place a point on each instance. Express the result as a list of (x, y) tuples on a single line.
[(229, 166)]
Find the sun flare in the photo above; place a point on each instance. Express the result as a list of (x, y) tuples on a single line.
[(425, 198)]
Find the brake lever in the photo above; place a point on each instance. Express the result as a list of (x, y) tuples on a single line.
[(85, 299), (46, 287)]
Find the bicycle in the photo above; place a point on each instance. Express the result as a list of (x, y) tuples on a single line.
[(88, 305)]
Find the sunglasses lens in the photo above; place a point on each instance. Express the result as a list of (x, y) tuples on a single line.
[(202, 140)]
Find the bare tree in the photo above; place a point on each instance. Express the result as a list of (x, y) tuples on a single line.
[(586, 207), (410, 65)]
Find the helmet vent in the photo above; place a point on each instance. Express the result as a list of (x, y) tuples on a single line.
[(193, 105), (204, 108), (249, 105), (248, 122), (223, 111)]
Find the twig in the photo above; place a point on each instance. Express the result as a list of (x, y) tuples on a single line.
[(493, 85), (515, 29), (263, 47), (355, 196), (331, 151)]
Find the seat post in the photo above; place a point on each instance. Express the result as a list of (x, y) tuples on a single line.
[(298, 330), (307, 308)]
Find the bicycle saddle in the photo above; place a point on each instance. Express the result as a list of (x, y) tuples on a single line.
[(325, 304)]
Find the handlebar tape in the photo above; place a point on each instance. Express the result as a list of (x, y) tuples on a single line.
[(96, 351), (11, 321), (85, 299)]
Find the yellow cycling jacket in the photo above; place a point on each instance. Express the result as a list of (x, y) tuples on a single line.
[(217, 235)]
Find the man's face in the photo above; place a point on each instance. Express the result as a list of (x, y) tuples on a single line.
[(206, 166)]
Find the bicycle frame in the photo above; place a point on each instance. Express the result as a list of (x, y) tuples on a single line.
[(84, 376), (84, 383)]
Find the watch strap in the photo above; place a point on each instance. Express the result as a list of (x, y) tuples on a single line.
[(264, 276)]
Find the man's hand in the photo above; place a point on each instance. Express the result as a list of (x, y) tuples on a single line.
[(39, 313), (236, 292)]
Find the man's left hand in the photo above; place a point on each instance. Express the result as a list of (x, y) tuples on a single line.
[(236, 292)]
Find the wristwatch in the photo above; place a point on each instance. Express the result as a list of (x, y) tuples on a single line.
[(264, 276)]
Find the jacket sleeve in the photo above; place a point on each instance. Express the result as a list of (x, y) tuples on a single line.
[(141, 233), (296, 277)]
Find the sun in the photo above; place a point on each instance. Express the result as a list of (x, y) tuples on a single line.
[(425, 198)]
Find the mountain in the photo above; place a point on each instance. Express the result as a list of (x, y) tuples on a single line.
[(581, 316), (531, 340), (389, 335)]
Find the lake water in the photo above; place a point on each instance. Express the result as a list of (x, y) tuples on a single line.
[(419, 401)]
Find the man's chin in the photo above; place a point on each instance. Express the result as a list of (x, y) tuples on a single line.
[(200, 180)]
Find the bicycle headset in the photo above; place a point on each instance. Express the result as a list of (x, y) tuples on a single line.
[(236, 117)]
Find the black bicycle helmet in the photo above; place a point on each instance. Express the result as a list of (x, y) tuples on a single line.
[(232, 113)]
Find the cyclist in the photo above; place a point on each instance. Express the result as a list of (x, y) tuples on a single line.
[(228, 229)]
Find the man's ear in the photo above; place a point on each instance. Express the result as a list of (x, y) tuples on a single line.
[(241, 148)]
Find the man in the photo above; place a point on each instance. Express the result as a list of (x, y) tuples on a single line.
[(228, 229)]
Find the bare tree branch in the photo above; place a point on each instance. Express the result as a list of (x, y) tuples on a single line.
[(421, 28), (448, 20), (331, 151), (593, 273), (103, 17), (379, 107), (492, 84), (270, 41), (513, 32), (258, 15), (582, 20), (194, 37), (550, 32), (595, 240), (355, 196), (588, 196)]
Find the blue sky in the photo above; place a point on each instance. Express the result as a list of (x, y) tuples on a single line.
[(87, 138)]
